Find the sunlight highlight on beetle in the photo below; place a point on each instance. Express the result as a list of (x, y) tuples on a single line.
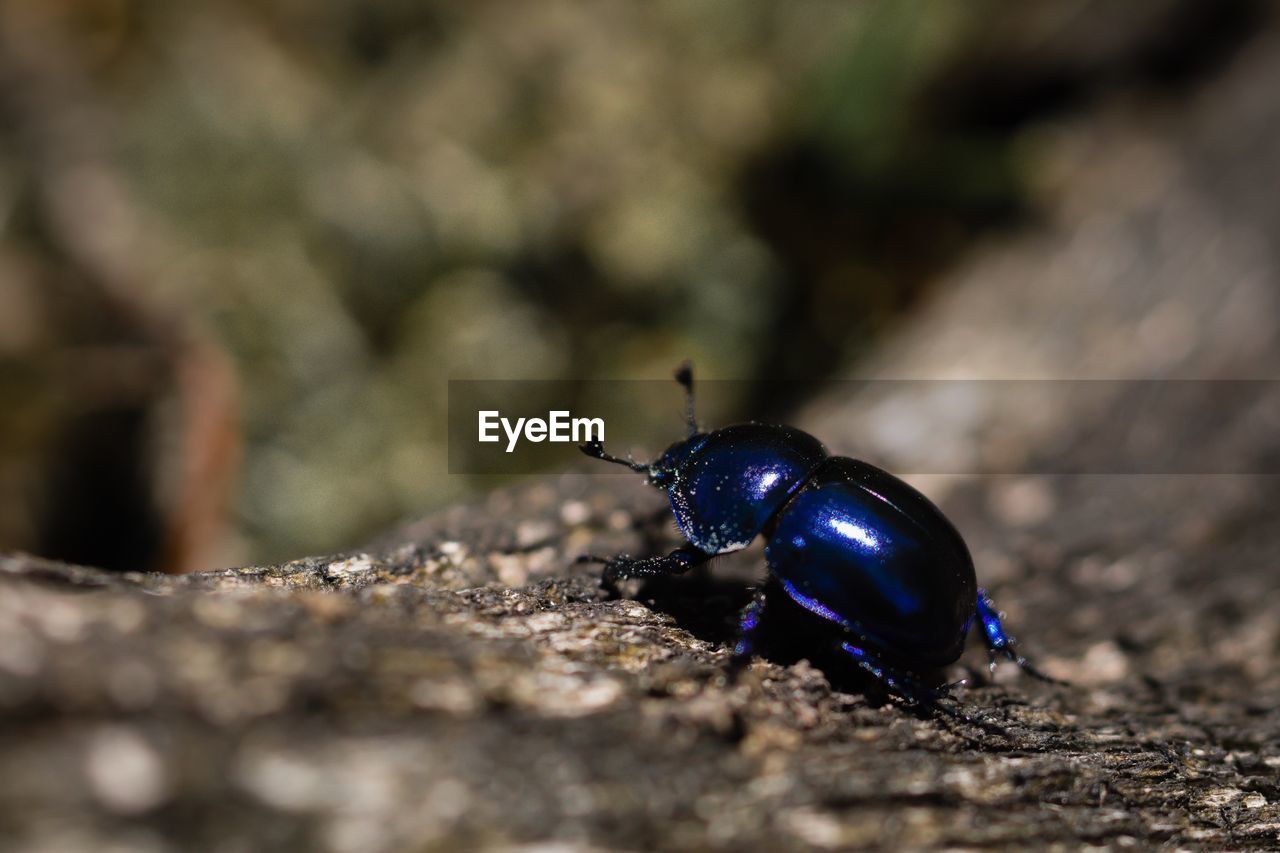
[(764, 483), (852, 530), (811, 604)]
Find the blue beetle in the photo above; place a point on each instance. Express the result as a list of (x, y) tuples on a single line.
[(853, 545)]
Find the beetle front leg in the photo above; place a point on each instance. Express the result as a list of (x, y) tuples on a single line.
[(1000, 644), (623, 567)]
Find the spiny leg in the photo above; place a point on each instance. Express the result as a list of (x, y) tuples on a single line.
[(623, 567), (904, 684), (900, 682), (1001, 644)]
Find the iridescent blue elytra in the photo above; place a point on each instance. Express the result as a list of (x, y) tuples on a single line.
[(859, 546), (886, 576)]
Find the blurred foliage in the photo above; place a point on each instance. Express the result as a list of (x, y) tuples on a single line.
[(360, 199)]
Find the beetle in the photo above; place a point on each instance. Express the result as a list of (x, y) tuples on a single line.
[(884, 572)]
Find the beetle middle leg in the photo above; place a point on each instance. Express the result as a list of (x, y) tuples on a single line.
[(623, 567), (1001, 644), (748, 631)]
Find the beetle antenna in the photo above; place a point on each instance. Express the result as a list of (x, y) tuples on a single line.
[(684, 375), (595, 449)]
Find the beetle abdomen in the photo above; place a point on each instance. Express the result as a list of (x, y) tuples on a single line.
[(860, 547)]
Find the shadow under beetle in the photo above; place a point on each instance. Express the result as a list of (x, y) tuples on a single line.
[(887, 574)]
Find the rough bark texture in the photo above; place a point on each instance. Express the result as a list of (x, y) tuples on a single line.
[(463, 683), (473, 688)]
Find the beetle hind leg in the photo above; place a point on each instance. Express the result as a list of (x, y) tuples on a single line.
[(1000, 644), (921, 696), (905, 685)]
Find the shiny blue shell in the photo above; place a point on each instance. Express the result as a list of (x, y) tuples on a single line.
[(860, 547), (729, 483)]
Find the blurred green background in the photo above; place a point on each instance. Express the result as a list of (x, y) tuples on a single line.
[(246, 243)]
